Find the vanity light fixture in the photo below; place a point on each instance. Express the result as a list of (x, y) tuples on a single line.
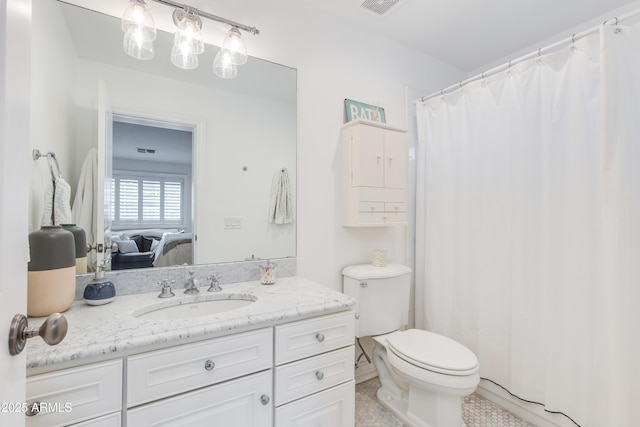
[(188, 43)]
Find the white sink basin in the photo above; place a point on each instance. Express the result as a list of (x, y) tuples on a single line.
[(203, 305)]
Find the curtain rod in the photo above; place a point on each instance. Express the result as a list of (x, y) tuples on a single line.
[(252, 30), (507, 65)]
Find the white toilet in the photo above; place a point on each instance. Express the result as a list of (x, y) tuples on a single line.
[(423, 375)]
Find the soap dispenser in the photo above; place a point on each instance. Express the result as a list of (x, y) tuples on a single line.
[(100, 290)]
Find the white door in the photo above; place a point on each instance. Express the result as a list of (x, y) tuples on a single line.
[(103, 196), (15, 50)]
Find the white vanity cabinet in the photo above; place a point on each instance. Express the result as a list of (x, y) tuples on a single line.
[(375, 161), (314, 373), (291, 374)]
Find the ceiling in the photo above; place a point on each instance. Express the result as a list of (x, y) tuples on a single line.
[(470, 34)]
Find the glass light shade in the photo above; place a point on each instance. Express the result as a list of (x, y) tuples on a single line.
[(188, 37), (184, 60), (223, 66), (235, 45), (134, 45), (137, 16)]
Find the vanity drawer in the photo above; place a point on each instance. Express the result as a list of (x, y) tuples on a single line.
[(77, 394), (370, 206), (111, 420), (330, 408), (298, 379), (163, 373), (395, 207), (243, 402), (313, 336)]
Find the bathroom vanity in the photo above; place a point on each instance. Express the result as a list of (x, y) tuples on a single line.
[(283, 357)]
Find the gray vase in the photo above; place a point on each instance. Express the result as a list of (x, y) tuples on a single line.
[(80, 241)]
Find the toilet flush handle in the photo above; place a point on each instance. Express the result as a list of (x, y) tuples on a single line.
[(364, 284)]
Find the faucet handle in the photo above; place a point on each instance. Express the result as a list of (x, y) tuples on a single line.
[(215, 285), (166, 289)]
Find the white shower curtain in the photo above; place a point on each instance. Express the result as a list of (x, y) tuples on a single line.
[(528, 226)]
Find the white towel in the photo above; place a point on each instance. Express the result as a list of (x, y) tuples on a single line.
[(57, 203), (84, 211), (281, 205)]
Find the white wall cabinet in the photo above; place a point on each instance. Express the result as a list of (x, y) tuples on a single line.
[(294, 374), (375, 161)]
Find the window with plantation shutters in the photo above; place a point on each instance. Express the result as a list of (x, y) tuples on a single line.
[(144, 200)]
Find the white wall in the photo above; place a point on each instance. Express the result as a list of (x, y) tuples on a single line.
[(237, 132), (334, 61), (53, 60)]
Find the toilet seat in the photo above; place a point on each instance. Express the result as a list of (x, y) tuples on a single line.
[(433, 352)]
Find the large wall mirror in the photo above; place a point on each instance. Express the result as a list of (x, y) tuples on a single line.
[(205, 153)]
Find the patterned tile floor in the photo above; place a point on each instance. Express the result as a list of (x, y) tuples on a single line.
[(476, 411)]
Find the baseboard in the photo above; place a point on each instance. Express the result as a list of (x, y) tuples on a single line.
[(365, 371), (530, 412)]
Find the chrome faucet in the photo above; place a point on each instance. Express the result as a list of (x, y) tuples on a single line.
[(191, 287), (215, 284)]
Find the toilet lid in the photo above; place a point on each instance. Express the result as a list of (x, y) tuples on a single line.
[(432, 351)]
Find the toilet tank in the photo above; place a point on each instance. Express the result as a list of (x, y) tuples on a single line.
[(381, 294)]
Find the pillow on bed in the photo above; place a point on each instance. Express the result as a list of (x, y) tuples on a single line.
[(146, 244), (127, 246), (154, 245)]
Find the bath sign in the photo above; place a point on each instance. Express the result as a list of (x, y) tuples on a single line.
[(360, 111)]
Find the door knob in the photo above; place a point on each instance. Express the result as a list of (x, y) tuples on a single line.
[(52, 331)]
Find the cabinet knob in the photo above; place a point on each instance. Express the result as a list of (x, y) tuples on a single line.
[(319, 375), (33, 409), (320, 337), (264, 399), (209, 365)]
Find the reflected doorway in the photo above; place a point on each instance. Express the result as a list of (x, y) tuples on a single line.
[(151, 193)]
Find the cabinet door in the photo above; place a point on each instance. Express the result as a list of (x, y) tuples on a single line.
[(367, 154), (331, 408), (245, 402), (395, 159)]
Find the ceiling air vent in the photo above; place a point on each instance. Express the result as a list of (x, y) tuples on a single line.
[(380, 7)]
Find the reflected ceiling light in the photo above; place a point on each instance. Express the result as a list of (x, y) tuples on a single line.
[(223, 65), (187, 40), (140, 32), (234, 44)]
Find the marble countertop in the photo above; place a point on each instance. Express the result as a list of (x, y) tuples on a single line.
[(111, 329)]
